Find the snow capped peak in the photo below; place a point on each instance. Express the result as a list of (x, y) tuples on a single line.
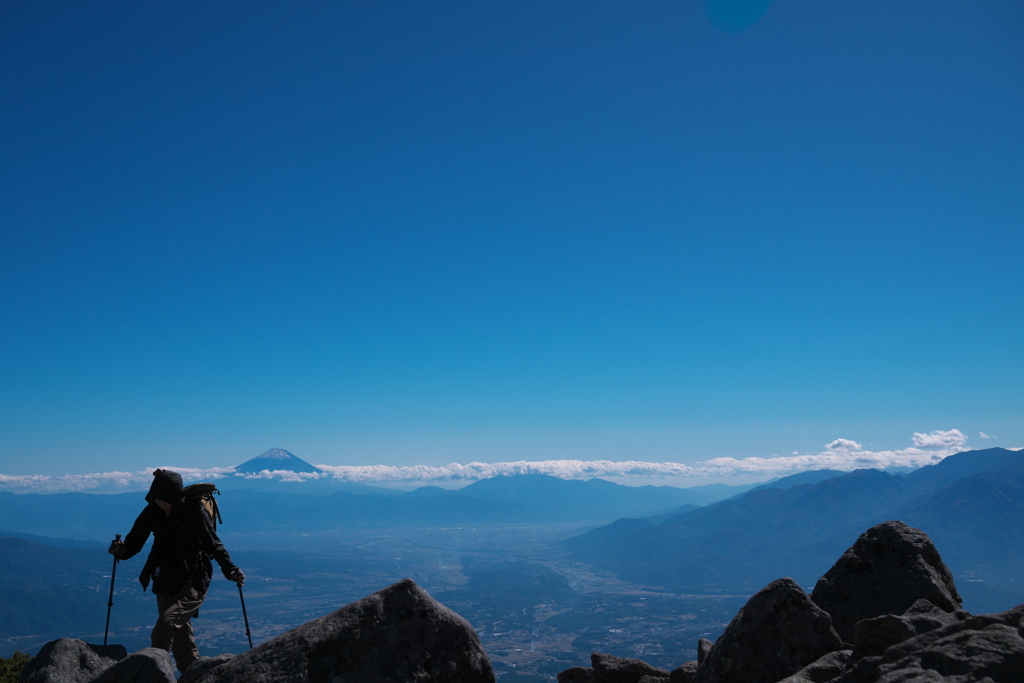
[(276, 454)]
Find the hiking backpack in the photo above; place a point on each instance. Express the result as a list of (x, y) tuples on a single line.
[(203, 494)]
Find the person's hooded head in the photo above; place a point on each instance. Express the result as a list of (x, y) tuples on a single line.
[(166, 486)]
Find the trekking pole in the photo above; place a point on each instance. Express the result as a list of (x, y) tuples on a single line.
[(245, 616), (110, 600)]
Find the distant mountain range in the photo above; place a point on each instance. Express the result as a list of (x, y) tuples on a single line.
[(247, 507), (971, 504)]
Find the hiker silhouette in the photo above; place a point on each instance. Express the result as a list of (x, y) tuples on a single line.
[(184, 541)]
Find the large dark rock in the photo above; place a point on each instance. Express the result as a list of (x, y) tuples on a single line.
[(890, 567), (150, 665), (778, 632), (987, 647), (203, 666), (823, 670), (70, 661), (611, 669), (399, 633)]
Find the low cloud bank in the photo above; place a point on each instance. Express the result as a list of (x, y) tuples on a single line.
[(103, 482), (842, 454)]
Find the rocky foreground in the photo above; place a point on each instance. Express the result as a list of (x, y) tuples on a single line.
[(887, 611)]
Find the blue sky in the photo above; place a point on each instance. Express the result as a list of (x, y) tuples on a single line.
[(418, 233)]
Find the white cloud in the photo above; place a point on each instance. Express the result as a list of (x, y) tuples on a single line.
[(845, 460), (940, 439), (103, 482), (846, 455), (985, 436), (844, 446), (565, 469)]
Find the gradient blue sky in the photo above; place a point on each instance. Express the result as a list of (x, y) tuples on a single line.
[(425, 232)]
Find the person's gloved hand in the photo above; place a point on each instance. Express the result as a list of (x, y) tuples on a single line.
[(116, 549), (237, 576)]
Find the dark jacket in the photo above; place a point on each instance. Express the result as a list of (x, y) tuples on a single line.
[(183, 542)]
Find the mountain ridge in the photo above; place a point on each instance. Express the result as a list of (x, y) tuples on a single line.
[(744, 541)]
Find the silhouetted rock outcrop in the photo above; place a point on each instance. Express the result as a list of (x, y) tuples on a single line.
[(399, 633), (150, 665), (611, 669), (70, 661), (778, 632), (887, 570)]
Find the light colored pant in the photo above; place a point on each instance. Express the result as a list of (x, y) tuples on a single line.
[(173, 630)]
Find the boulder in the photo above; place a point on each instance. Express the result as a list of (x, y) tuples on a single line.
[(778, 632), (150, 665), (703, 648), (684, 673), (611, 669), (578, 674), (69, 660), (886, 571), (987, 647), (399, 633), (823, 670), (203, 666)]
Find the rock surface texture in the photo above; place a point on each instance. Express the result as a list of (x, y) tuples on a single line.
[(778, 632), (824, 669), (70, 661), (610, 669), (150, 665), (987, 647), (203, 666), (684, 673), (703, 648), (872, 637), (578, 674), (887, 570), (399, 633)]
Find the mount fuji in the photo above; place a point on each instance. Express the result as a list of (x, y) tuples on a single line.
[(276, 459)]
